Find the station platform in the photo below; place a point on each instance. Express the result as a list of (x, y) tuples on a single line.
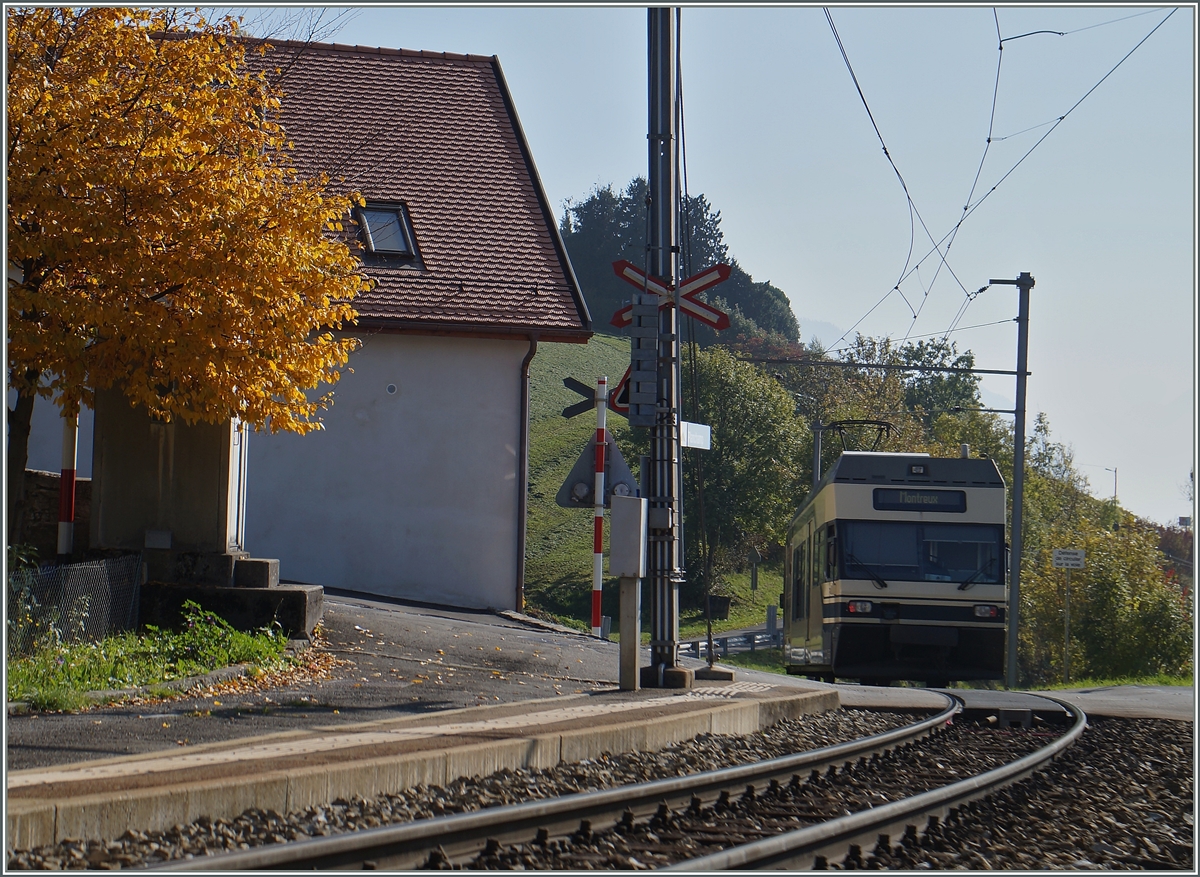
[(291, 770)]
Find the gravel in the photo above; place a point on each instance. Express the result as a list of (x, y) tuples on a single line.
[(255, 827), (1122, 798)]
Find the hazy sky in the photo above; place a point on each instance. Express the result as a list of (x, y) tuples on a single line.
[(1102, 213)]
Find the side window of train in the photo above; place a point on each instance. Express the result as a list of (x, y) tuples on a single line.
[(831, 564), (819, 558), (798, 601)]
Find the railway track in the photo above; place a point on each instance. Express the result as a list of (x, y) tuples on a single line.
[(793, 811)]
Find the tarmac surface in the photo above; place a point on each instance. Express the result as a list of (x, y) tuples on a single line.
[(405, 660)]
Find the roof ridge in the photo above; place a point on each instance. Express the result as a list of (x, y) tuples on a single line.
[(372, 50)]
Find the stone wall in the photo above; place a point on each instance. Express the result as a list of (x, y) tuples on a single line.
[(41, 513)]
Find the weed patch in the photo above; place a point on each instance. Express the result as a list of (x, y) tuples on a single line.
[(769, 660), (57, 677)]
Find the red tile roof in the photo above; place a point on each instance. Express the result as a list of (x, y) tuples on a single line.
[(439, 133)]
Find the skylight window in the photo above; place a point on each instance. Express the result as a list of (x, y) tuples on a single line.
[(385, 230)]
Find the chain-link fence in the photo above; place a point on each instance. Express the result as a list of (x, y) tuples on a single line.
[(72, 602)]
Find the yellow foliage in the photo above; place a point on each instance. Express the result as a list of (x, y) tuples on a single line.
[(168, 245)]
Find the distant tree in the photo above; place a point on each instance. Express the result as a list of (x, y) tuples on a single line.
[(743, 491), (164, 243), (606, 226), (1127, 619), (609, 225), (934, 392)]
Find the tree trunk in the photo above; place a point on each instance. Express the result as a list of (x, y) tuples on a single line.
[(19, 421)]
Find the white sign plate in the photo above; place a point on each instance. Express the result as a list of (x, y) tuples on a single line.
[(1068, 558), (695, 435)]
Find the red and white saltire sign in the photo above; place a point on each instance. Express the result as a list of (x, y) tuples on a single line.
[(689, 290), (618, 399)]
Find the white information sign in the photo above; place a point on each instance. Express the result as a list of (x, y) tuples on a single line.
[(695, 435), (1068, 558)]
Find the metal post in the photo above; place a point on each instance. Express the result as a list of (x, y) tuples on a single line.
[(66, 489), (816, 430), (665, 570), (1067, 631), (631, 627), (598, 507), (1024, 283)]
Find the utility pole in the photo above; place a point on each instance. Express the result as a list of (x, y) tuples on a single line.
[(665, 569), (816, 432), (1024, 283)]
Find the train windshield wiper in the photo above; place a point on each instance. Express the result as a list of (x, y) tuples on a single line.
[(970, 580), (879, 581)]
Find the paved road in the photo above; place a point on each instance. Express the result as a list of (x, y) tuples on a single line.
[(394, 668), (1135, 701)]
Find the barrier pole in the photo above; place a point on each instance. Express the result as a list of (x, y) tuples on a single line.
[(598, 494)]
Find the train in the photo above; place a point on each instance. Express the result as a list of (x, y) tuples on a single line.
[(896, 568)]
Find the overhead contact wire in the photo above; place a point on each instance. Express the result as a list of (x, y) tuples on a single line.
[(912, 207)]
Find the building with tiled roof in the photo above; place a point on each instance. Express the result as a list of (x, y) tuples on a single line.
[(416, 487), (438, 134)]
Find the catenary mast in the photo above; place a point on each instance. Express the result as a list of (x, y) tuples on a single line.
[(665, 554)]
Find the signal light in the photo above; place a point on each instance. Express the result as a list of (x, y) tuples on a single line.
[(987, 611), (859, 607)]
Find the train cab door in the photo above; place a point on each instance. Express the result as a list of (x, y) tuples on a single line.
[(810, 625), (817, 647), (797, 617)]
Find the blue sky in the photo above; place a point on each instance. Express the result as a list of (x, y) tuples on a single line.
[(1102, 213)]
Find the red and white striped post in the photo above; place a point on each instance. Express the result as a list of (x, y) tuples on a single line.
[(598, 493), (66, 489)]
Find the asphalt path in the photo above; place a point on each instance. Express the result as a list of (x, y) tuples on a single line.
[(399, 660), (1134, 701), (404, 660)]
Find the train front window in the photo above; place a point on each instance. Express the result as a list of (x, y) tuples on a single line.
[(914, 551)]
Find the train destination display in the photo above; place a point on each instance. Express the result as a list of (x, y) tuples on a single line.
[(899, 499)]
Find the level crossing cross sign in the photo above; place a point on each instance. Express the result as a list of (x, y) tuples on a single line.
[(689, 290), (633, 396)]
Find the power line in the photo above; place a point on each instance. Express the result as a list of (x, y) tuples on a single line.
[(970, 208), (934, 334), (962, 310), (1074, 106), (1115, 20), (912, 207), (835, 363)]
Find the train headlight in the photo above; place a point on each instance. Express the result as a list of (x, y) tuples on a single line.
[(859, 607), (987, 611)]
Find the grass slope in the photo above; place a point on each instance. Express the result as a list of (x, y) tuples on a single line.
[(558, 554)]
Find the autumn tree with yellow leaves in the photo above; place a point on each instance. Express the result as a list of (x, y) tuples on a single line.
[(159, 238)]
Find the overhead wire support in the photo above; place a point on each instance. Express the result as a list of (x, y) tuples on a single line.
[(832, 363), (664, 567)]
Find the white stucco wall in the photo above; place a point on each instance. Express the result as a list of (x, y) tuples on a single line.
[(412, 494), (45, 437)]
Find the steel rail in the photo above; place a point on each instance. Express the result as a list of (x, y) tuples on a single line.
[(462, 835), (799, 849)]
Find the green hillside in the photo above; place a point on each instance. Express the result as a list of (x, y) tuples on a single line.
[(558, 554)]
